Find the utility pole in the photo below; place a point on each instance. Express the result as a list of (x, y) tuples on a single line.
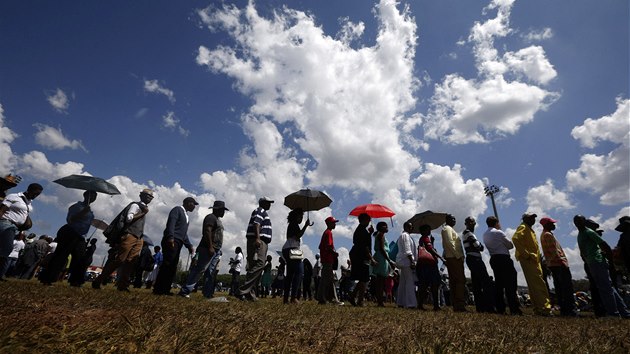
[(490, 192)]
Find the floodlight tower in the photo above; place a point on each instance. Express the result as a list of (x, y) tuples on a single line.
[(490, 192)]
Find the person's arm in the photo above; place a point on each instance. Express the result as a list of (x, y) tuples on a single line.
[(506, 241), (136, 211), (3, 209), (429, 247), (381, 245), (208, 230)]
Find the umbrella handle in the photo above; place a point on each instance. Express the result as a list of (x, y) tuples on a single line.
[(92, 235)]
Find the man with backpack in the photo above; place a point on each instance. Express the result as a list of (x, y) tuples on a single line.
[(125, 238)]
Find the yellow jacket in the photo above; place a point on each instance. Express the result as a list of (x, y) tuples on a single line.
[(525, 243), (451, 243)]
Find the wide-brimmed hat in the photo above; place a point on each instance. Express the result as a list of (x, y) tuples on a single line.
[(624, 224), (147, 191), (265, 199), (219, 204)]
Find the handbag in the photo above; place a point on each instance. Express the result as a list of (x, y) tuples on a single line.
[(295, 253), (424, 257)]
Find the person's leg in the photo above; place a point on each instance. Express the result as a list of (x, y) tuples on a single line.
[(133, 246), (457, 281), (599, 272), (115, 257), (196, 271), (378, 289), (210, 278), (65, 243), (511, 287), (536, 285), (77, 263), (255, 268), (297, 280), (499, 282), (288, 279)]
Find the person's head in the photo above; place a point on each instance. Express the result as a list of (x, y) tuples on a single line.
[(331, 222), (529, 219), (146, 195), (33, 191), (157, 249), (93, 241), (548, 224), (218, 208), (265, 203), (492, 221), (295, 216), (580, 222), (624, 224), (591, 224), (89, 196), (238, 250), (407, 227), (317, 256), (425, 230), (364, 219), (382, 227), (470, 223), (189, 204), (450, 220)]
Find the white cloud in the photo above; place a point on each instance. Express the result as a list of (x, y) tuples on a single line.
[(538, 35), (609, 174), (35, 163), (170, 121), (7, 160), (154, 86), (53, 138), (59, 101), (546, 198), (350, 31), (492, 105)]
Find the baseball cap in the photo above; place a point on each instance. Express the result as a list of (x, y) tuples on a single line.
[(331, 219), (147, 191), (529, 215), (547, 220), (265, 199), (190, 200)]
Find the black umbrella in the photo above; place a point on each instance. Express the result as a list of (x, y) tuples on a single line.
[(428, 217), (147, 241), (88, 183), (307, 200)]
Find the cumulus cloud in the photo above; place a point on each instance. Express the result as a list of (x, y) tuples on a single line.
[(59, 101), (538, 35), (53, 138), (546, 198), (607, 175), (7, 160), (503, 97), (170, 121), (153, 86)]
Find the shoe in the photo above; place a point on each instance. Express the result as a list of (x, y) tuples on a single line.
[(96, 285), (250, 297), (295, 301), (352, 301), (185, 296), (338, 303)]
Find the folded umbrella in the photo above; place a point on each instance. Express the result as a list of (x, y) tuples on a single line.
[(373, 210), (88, 183), (99, 224), (307, 200), (428, 217)]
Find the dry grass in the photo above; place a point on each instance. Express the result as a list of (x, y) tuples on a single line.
[(62, 319)]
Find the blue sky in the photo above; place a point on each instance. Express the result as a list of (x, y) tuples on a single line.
[(416, 105)]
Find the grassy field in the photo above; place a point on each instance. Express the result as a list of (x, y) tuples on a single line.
[(43, 319)]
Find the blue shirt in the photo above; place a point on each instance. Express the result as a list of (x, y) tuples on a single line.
[(81, 225), (260, 217), (158, 258)]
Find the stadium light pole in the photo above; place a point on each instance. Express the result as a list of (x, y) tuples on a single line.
[(490, 192)]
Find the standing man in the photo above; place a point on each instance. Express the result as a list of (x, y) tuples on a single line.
[(124, 252), (406, 262), (528, 254), (235, 269), (454, 255), (326, 291), (258, 237), (71, 242), (482, 285), (208, 251), (591, 247), (14, 217), (499, 246), (175, 236), (317, 273), (559, 266)]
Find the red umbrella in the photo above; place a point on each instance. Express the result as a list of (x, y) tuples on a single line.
[(373, 210)]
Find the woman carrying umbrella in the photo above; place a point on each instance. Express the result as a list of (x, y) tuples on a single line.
[(361, 258), (293, 255)]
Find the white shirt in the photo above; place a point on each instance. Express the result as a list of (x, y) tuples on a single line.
[(135, 209), (52, 247), (497, 242), (239, 260), (18, 209), (406, 247), (18, 245)]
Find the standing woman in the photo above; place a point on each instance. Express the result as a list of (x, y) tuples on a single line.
[(427, 270), (361, 258), (384, 263), (293, 255)]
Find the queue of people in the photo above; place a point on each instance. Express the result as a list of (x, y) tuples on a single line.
[(408, 266)]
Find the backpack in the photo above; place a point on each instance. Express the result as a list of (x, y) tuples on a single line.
[(116, 228)]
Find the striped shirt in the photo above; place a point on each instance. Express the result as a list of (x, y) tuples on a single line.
[(472, 246), (260, 217)]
